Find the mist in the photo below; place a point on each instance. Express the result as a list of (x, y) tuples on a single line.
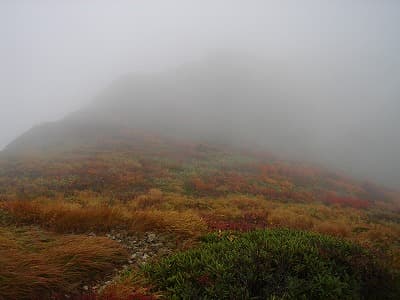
[(316, 81)]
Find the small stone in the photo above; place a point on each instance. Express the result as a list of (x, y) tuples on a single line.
[(134, 255), (85, 287), (130, 261), (151, 237)]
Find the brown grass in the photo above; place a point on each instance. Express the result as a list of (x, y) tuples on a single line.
[(183, 216), (153, 198), (66, 217), (36, 264), (187, 223), (129, 285), (74, 218), (334, 229), (290, 219)]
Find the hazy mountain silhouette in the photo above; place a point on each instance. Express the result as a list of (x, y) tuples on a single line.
[(230, 99)]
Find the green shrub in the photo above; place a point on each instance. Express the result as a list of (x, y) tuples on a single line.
[(273, 264)]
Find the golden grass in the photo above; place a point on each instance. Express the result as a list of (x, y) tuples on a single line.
[(36, 264), (334, 229), (128, 285), (66, 217), (182, 216), (153, 198), (187, 223), (286, 218)]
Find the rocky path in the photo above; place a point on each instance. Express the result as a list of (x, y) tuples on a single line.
[(141, 248)]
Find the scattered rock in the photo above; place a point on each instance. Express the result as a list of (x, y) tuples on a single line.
[(141, 248), (151, 237)]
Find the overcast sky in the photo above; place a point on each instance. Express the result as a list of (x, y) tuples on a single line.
[(56, 55)]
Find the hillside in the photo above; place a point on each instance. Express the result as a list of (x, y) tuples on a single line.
[(236, 100), (128, 182), (186, 185), (126, 163)]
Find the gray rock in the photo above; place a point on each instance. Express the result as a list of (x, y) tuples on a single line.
[(151, 237)]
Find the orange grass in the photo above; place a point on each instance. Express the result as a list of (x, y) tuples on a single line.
[(36, 264), (187, 223), (129, 285), (182, 215), (65, 217), (72, 218)]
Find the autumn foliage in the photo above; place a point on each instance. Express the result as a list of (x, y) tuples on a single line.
[(182, 190)]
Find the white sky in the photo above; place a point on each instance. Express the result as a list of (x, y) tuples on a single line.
[(56, 55)]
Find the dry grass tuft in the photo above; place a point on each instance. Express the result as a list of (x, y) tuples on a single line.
[(289, 219), (333, 229), (66, 217), (153, 198), (36, 264), (130, 285), (188, 224)]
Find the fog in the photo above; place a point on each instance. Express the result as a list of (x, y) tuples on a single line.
[(311, 80)]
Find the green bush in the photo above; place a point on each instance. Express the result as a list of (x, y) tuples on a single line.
[(273, 264)]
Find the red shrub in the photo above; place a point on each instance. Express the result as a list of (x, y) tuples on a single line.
[(348, 201)]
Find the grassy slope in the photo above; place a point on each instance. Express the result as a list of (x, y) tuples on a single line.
[(150, 183)]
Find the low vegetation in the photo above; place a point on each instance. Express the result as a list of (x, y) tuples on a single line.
[(274, 264), (51, 209)]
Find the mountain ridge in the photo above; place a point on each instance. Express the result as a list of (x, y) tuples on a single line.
[(244, 102)]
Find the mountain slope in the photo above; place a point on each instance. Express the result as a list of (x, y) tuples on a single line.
[(236, 101), (182, 154)]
